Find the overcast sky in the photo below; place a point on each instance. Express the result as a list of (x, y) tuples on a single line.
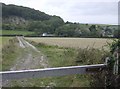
[(82, 11)]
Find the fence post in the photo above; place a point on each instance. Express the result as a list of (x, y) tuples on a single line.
[(107, 73), (116, 64), (113, 70)]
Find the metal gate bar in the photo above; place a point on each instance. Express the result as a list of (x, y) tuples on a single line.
[(49, 72)]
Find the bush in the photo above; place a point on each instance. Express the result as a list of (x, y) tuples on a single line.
[(93, 56)]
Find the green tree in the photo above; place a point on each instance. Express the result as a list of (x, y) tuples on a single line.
[(95, 31), (39, 27), (66, 30)]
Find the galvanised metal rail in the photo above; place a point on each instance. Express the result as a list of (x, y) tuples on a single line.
[(49, 72)]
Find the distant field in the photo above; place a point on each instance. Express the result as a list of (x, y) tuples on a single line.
[(73, 42), (12, 32)]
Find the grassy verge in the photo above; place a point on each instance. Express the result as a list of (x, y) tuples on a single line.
[(10, 51), (4, 41), (58, 56)]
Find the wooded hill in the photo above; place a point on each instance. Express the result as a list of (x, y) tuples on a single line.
[(28, 19)]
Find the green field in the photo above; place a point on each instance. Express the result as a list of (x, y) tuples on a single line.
[(12, 32)]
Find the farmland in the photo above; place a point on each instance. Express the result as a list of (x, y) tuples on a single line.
[(56, 57), (73, 42)]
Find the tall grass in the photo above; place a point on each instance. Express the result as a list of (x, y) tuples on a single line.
[(10, 52), (4, 41), (91, 56)]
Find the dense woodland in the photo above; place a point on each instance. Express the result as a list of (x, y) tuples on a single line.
[(24, 18)]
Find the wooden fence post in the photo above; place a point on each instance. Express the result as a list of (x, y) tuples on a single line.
[(116, 64), (113, 70), (107, 73)]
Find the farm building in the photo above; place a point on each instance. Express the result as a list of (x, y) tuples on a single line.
[(46, 34)]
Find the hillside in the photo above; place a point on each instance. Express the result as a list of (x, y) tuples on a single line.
[(21, 18), (18, 17), (24, 12)]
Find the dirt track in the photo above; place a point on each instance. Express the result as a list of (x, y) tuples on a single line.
[(29, 58)]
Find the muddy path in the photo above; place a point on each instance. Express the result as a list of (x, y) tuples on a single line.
[(30, 58)]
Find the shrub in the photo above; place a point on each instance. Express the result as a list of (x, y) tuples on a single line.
[(93, 56)]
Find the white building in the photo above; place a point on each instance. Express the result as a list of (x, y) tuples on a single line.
[(46, 34)]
